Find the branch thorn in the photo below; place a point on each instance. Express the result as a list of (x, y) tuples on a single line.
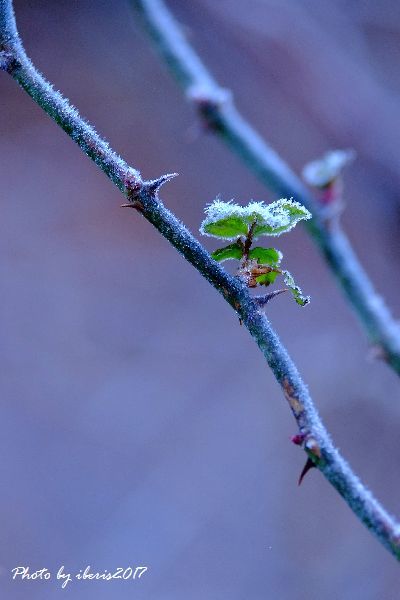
[(134, 204), (154, 185), (309, 465), (263, 300)]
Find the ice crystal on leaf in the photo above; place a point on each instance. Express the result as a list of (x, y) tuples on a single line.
[(224, 220), (228, 220)]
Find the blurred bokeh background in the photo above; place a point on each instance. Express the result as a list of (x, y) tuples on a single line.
[(139, 422)]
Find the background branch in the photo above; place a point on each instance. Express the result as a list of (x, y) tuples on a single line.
[(143, 196), (221, 117)]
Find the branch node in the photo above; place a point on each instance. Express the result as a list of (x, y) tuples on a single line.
[(133, 183), (209, 101), (312, 447)]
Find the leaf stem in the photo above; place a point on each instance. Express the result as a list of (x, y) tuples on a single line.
[(249, 240)]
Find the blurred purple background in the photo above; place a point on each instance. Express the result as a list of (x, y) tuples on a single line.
[(140, 424)]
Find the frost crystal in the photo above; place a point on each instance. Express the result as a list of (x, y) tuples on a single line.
[(322, 172), (228, 220), (218, 210)]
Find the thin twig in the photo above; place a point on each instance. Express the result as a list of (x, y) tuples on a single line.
[(144, 196), (217, 110)]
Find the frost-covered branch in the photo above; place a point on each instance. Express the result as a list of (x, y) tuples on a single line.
[(143, 196), (220, 115)]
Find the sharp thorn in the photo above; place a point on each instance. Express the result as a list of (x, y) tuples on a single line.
[(263, 300), (309, 465), (154, 185)]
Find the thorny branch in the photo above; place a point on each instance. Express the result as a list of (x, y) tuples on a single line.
[(143, 195), (216, 108)]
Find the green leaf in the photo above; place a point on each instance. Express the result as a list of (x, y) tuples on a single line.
[(269, 230), (296, 291), (295, 209), (230, 227), (267, 279), (228, 220), (232, 251), (280, 216), (266, 256)]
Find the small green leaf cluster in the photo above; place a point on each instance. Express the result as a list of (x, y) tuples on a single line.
[(242, 225), (227, 220)]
